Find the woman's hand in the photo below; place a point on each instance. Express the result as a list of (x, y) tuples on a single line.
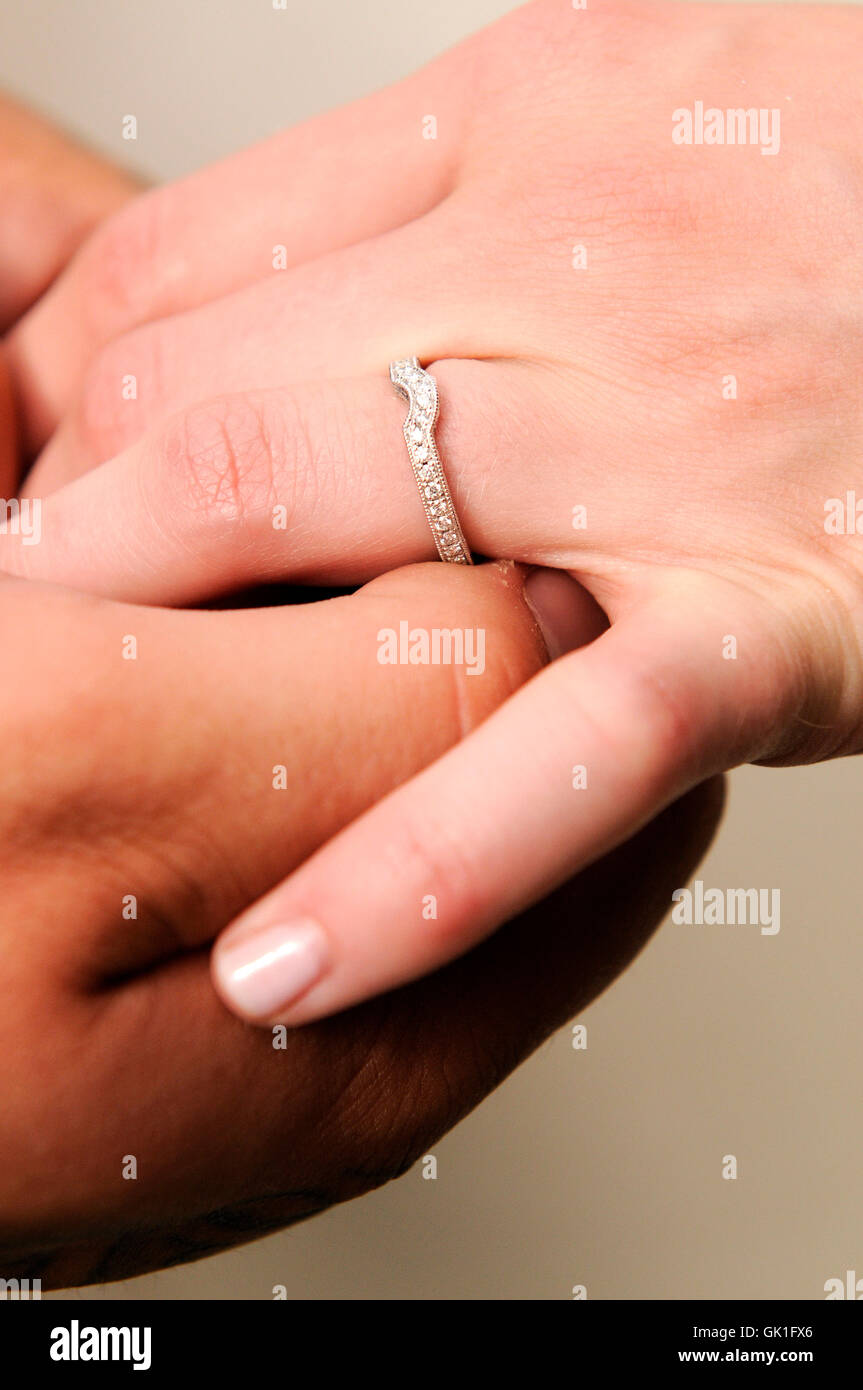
[(649, 356), (162, 769)]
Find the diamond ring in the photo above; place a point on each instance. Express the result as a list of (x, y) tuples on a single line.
[(419, 389)]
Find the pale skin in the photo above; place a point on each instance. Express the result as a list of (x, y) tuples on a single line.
[(603, 384), (139, 811)]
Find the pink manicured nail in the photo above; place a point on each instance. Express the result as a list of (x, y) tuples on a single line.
[(262, 973)]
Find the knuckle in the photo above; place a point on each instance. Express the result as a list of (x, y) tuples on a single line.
[(123, 377), (218, 460), (118, 266), (644, 718), (669, 723)]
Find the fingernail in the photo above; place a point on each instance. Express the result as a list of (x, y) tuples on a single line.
[(566, 614), (262, 973)]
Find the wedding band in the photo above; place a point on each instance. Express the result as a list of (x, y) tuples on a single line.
[(419, 389)]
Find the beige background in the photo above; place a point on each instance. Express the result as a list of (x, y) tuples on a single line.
[(598, 1167)]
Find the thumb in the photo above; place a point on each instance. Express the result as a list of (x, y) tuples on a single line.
[(572, 765)]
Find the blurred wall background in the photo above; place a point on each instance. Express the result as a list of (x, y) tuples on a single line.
[(599, 1167)]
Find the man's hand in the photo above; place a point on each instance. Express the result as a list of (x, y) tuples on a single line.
[(160, 770)]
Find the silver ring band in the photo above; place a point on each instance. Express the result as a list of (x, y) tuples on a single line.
[(419, 389)]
